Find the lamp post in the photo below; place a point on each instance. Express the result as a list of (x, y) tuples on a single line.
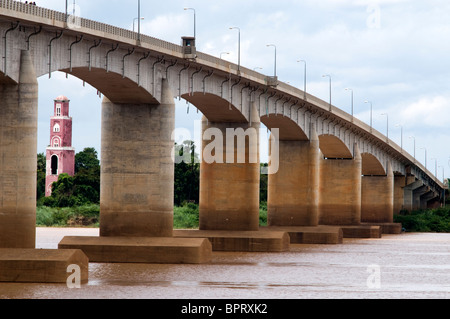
[(304, 78), (414, 147), (275, 64), (139, 21), (239, 46), (351, 90), (134, 21), (443, 174), (435, 166), (423, 148), (401, 135), (387, 126), (443, 181), (371, 114), (195, 21), (329, 76)]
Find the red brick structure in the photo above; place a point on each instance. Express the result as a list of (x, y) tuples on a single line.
[(60, 153)]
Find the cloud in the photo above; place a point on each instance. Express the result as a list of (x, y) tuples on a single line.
[(432, 112)]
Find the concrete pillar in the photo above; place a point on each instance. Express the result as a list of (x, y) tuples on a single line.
[(340, 191), (399, 184), (429, 200), (377, 198), (401, 195), (412, 194), (229, 184), (293, 191), (137, 170), (18, 154)]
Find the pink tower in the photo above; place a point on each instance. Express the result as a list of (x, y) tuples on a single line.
[(60, 153)]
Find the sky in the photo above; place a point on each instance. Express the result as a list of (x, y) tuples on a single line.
[(393, 53)]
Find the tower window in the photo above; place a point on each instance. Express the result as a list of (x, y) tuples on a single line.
[(54, 165), (56, 128), (58, 109)]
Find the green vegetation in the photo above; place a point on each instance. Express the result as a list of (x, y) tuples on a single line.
[(430, 220), (75, 200), (72, 191), (85, 216)]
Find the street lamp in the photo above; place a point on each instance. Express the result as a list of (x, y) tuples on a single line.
[(329, 76), (134, 21), (239, 46), (139, 20), (423, 148), (275, 64), (195, 21), (304, 79), (414, 146), (435, 166), (387, 125), (401, 135), (443, 177), (351, 90), (371, 113)]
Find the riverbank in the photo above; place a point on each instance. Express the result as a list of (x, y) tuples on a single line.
[(405, 266), (187, 217)]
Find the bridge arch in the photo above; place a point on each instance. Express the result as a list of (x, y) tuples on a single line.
[(334, 148), (371, 165), (215, 108), (289, 130), (114, 86)]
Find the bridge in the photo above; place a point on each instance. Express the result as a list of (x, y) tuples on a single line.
[(327, 168)]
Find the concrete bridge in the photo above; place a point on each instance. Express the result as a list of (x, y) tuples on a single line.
[(331, 168)]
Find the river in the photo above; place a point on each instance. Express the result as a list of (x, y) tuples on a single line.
[(405, 266)]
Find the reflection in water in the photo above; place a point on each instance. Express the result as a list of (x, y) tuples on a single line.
[(411, 266)]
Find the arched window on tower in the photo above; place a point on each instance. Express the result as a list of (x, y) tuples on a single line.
[(58, 109), (54, 165), (56, 128)]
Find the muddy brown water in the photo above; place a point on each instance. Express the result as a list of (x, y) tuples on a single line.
[(409, 265)]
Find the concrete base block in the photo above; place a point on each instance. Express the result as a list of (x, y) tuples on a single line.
[(248, 241), (361, 231), (311, 234), (41, 265), (387, 228), (156, 250)]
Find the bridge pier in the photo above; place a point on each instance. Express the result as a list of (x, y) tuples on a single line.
[(378, 198), (229, 190), (293, 191), (18, 149), (400, 182), (19, 260), (137, 170), (340, 190), (229, 187), (136, 200)]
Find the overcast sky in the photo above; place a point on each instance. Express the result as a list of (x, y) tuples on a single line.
[(394, 53)]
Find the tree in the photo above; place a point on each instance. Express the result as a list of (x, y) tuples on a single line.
[(80, 189), (187, 173), (41, 174), (87, 159)]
